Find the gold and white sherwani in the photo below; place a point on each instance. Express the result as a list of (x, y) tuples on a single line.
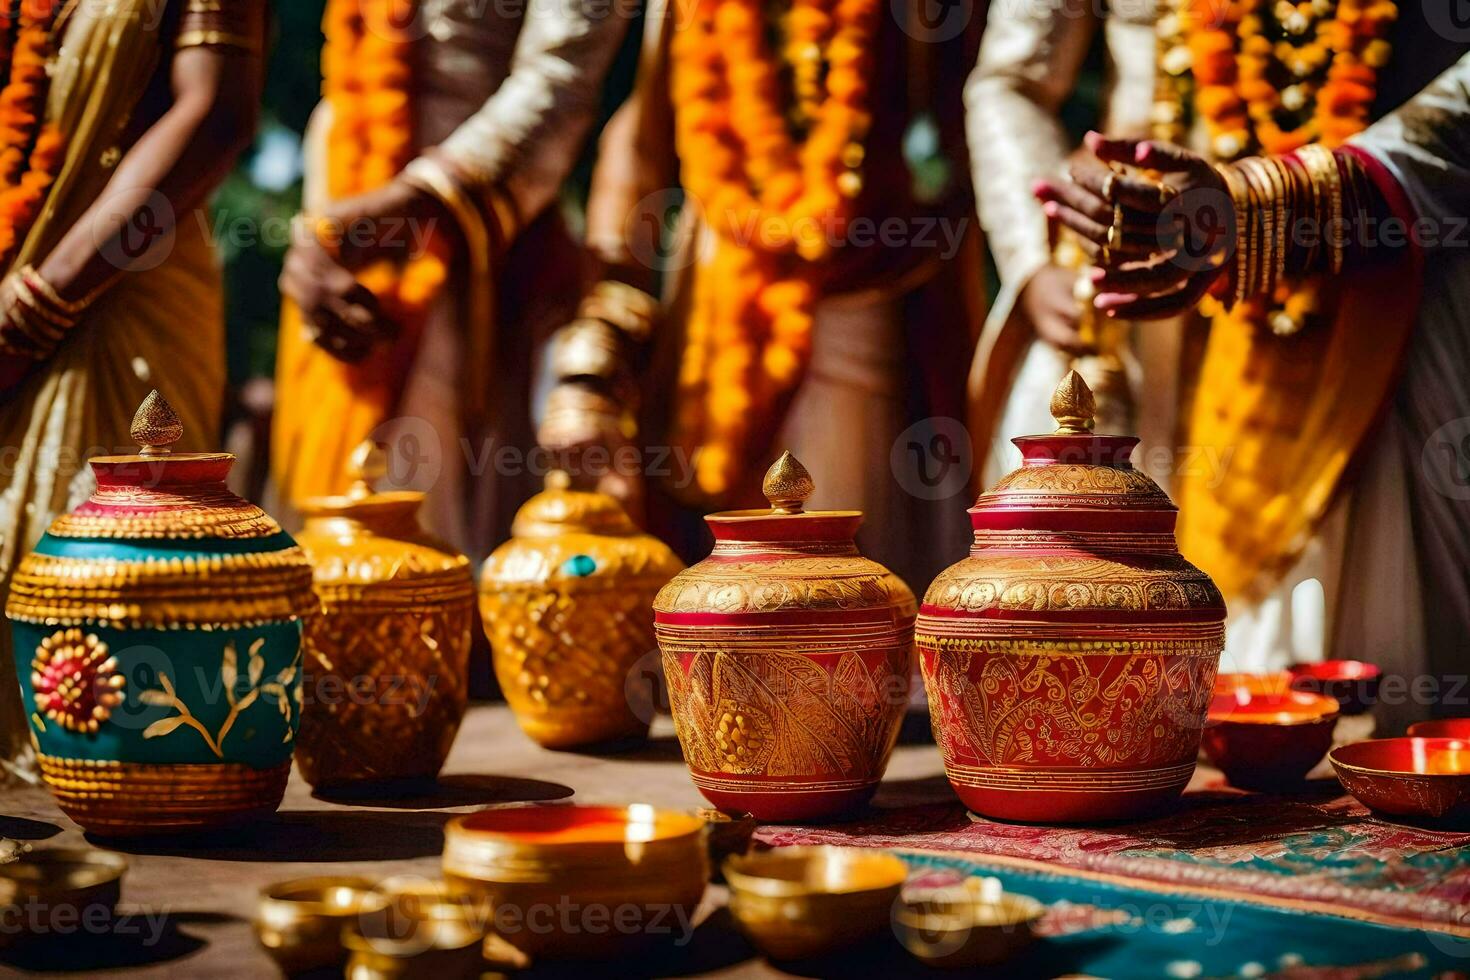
[(506, 93)]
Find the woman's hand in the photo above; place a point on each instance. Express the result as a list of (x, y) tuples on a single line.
[(1174, 237)]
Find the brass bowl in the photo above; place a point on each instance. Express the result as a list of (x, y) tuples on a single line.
[(968, 924), (300, 922), (439, 946), (580, 882), (65, 881), (797, 903)]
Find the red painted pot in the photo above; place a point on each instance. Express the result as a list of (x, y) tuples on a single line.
[(788, 657), (1352, 682), (1070, 659), (1269, 741)]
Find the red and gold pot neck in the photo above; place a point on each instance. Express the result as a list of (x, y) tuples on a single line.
[(158, 493), (786, 524), (1075, 480)]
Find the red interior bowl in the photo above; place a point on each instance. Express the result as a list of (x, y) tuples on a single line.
[(1268, 741), (1278, 682), (1354, 683), (1442, 728), (1411, 777)]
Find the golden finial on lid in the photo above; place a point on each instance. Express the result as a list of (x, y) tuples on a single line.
[(1073, 406), (558, 480), (787, 485), (368, 465), (156, 427)]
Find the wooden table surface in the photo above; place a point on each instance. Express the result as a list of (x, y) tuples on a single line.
[(198, 900)]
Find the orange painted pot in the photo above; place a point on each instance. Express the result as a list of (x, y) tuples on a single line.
[(788, 657), (1269, 741), (1070, 659), (1408, 777)]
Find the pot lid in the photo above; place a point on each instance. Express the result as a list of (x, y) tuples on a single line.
[(559, 509), (1073, 478), (156, 428), (787, 487), (367, 466)]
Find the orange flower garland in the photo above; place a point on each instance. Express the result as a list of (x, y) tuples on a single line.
[(368, 79), (776, 206), (1276, 76), (30, 150)]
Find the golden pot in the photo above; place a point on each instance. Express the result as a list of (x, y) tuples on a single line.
[(797, 903), (788, 658), (580, 882), (387, 660), (299, 923), (567, 604)]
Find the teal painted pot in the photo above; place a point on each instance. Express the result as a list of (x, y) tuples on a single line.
[(157, 635)]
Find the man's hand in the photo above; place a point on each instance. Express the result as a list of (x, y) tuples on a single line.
[(1048, 304), (394, 223), (342, 315)]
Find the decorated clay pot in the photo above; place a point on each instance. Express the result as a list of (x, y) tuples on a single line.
[(158, 641), (787, 655), (387, 660), (1071, 658), (566, 603)]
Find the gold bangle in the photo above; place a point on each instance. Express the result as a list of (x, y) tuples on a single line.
[(1322, 164), (1236, 189), (217, 39)]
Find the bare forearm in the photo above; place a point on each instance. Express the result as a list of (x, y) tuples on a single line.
[(166, 174)]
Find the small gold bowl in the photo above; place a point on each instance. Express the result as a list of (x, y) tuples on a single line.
[(70, 882), (580, 882), (970, 923), (441, 946), (300, 922), (798, 903)]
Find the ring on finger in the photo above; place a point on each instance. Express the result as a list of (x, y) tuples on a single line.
[(1166, 193), (1109, 183)]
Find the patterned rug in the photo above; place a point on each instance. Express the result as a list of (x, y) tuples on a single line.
[(1321, 854)]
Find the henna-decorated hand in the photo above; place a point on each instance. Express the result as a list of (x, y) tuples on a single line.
[(1175, 235)]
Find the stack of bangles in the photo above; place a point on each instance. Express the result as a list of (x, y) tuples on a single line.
[(1292, 216), (592, 351), (34, 318)]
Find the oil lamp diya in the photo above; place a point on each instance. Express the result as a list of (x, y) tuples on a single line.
[(566, 605), (1070, 659), (787, 655), (387, 660), (157, 633)]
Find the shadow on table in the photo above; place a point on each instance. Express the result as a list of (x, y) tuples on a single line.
[(304, 836), (656, 748), (130, 940), (453, 790), (23, 828)]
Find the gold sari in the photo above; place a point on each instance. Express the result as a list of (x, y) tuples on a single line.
[(157, 328)]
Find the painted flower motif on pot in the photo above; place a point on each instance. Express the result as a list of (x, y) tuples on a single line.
[(1070, 659), (159, 631), (787, 656), (76, 680)]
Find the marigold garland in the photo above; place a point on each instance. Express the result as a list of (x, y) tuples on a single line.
[(1272, 76), (368, 79), (775, 203), (31, 150)]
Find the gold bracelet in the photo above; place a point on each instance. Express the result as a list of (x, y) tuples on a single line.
[(1239, 200), (1322, 165), (626, 307)]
